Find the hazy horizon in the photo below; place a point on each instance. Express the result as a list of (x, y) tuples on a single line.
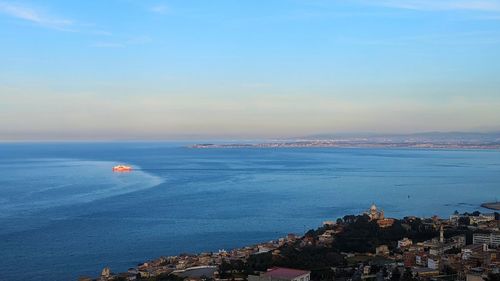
[(158, 70), (192, 139)]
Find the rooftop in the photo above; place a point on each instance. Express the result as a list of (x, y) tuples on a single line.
[(282, 272)]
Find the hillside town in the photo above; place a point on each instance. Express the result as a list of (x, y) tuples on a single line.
[(368, 246)]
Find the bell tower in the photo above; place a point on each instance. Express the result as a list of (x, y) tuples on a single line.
[(441, 234)]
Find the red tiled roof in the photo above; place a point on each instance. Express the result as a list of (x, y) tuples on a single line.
[(282, 272)]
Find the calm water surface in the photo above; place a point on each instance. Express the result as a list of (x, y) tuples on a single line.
[(64, 214)]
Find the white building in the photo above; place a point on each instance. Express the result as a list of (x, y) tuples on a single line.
[(405, 242), (433, 262), (491, 239), (482, 218)]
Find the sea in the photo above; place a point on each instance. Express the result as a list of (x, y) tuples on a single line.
[(65, 214)]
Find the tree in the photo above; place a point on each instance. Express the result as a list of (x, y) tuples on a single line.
[(260, 262), (310, 233), (396, 275), (464, 221), (493, 277), (224, 268), (407, 275), (449, 271), (350, 219)]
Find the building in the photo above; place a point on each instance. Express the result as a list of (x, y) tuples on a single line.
[(482, 218), (438, 246), (408, 259), (474, 277), (290, 238), (267, 247), (405, 242), (421, 259), (378, 215), (491, 239), (470, 251), (366, 269), (424, 272), (327, 237), (476, 274), (382, 250), (374, 213), (105, 274), (433, 262), (383, 223), (282, 274)]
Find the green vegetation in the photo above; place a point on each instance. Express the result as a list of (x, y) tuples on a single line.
[(309, 257), (493, 277), (418, 231), (359, 235), (363, 235), (408, 276)]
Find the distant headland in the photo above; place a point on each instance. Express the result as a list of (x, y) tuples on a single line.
[(429, 140), (492, 205)]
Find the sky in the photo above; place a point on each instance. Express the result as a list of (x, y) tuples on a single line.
[(239, 69)]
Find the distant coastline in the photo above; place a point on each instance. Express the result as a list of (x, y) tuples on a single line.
[(430, 140), (347, 144), (492, 205)]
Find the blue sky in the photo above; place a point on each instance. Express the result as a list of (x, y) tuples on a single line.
[(139, 69)]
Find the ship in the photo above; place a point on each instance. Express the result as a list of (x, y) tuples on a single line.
[(122, 168)]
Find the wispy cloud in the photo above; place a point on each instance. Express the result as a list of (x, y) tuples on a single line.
[(39, 17), (440, 5), (34, 16), (159, 9)]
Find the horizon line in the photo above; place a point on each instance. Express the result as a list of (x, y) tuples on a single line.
[(235, 138)]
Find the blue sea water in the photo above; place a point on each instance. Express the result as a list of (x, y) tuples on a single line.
[(65, 214)]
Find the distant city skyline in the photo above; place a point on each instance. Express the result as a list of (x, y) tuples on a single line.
[(176, 69)]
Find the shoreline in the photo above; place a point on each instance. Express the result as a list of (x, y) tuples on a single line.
[(194, 265)]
